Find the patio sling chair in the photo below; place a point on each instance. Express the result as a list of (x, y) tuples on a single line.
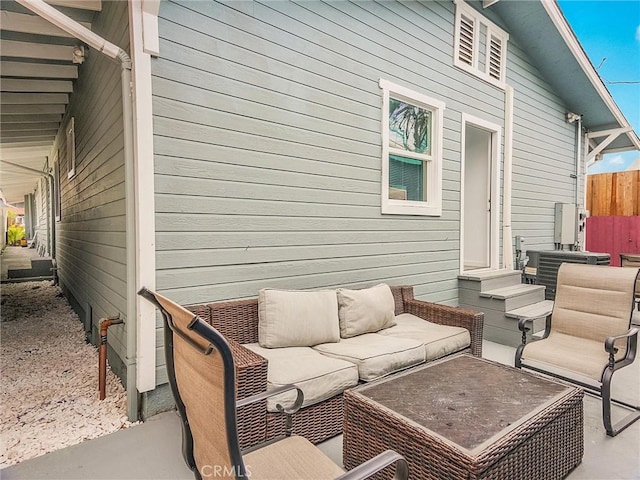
[(202, 378), (631, 260), (588, 336)]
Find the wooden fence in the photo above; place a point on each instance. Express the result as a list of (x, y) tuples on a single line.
[(614, 194), (613, 235), (613, 201)]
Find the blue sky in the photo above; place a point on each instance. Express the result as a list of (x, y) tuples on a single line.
[(610, 29)]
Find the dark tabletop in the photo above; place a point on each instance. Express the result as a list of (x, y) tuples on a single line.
[(465, 399)]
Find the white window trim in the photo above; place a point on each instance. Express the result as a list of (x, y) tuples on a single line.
[(433, 205), (492, 30), (71, 147), (57, 194)]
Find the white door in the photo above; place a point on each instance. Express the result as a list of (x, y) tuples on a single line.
[(479, 194)]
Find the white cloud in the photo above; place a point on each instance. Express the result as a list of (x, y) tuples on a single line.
[(617, 160), (638, 33)]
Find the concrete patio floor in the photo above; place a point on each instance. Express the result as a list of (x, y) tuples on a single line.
[(153, 450)]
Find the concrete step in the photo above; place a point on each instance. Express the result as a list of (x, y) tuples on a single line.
[(489, 280), (510, 298), (40, 267), (533, 311), (511, 291)]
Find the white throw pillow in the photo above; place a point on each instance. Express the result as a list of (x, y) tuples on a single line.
[(365, 311), (294, 318)]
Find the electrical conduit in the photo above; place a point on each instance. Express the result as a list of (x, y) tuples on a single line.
[(507, 247)]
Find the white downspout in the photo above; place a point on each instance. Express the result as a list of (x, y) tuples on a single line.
[(578, 158), (113, 51), (507, 247)]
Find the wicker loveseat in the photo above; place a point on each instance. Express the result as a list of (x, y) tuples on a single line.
[(237, 321)]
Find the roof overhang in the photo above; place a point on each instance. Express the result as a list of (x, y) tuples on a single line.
[(543, 32), (39, 66)]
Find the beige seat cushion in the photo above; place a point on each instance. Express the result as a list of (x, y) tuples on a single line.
[(365, 311), (593, 301), (291, 458), (318, 376), (576, 354), (294, 318), (375, 355), (439, 340)]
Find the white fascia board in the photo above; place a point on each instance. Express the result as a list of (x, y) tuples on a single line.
[(150, 36), (557, 17)]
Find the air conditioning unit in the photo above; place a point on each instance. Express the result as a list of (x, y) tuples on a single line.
[(548, 263)]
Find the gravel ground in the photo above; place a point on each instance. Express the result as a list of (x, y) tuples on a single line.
[(49, 376)]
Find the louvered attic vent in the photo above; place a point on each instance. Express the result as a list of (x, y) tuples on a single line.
[(465, 47), (480, 45), (495, 58)]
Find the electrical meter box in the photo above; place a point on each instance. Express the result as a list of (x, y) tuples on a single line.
[(566, 223)]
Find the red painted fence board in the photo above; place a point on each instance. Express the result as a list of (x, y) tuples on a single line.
[(613, 235)]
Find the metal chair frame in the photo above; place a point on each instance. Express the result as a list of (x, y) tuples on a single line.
[(604, 390)]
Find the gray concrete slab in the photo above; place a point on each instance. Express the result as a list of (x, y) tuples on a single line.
[(153, 450)]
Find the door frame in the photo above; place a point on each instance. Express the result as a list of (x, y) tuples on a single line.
[(494, 190)]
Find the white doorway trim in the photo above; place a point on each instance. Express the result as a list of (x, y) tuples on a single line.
[(494, 189)]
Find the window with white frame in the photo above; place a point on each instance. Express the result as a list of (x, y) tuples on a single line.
[(71, 148), (56, 187), (480, 45), (411, 151)]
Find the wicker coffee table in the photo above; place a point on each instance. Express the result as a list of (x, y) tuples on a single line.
[(466, 417)]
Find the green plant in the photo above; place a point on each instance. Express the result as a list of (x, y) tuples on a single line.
[(15, 234)]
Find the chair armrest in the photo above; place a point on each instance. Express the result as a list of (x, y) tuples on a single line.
[(609, 343), (452, 316), (609, 346), (377, 463), (251, 370), (275, 391), (288, 411), (522, 325)]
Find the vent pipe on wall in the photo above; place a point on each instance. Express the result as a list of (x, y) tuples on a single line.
[(577, 119)]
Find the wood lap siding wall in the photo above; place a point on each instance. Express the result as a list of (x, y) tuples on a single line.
[(91, 232), (543, 153), (267, 145)]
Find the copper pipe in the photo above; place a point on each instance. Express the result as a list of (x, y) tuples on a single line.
[(102, 360)]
